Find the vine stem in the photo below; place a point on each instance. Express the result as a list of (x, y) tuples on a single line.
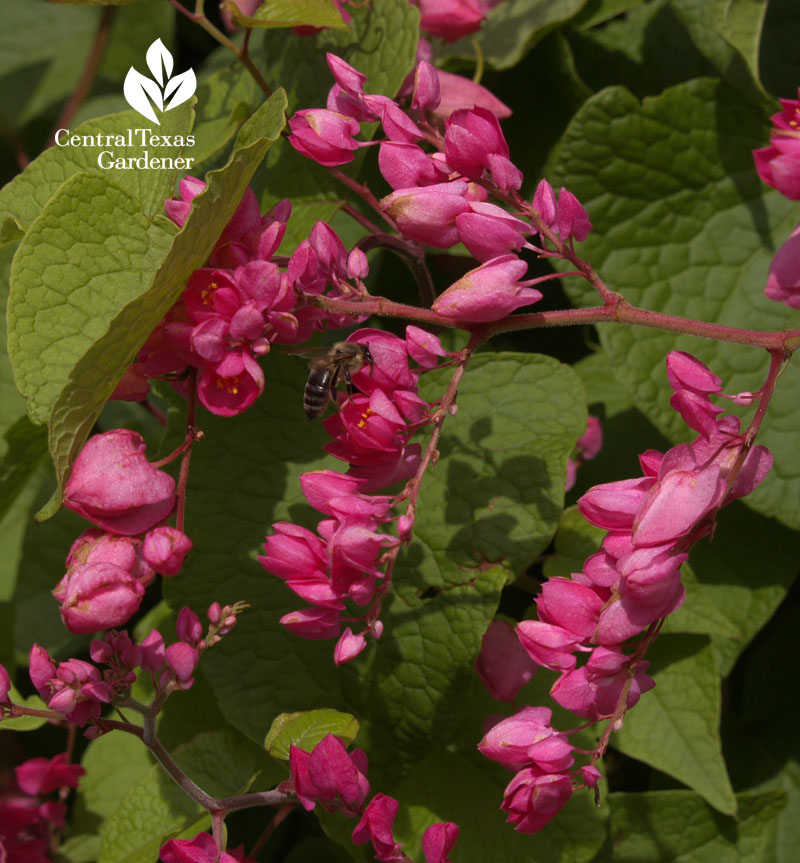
[(412, 489), (620, 311), (89, 72), (199, 17)]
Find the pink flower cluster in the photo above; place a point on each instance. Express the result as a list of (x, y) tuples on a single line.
[(26, 820), (234, 309), (440, 197), (779, 166), (336, 778), (78, 689), (371, 431), (627, 586), (108, 568)]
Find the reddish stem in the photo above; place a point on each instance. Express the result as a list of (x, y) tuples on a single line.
[(89, 72)]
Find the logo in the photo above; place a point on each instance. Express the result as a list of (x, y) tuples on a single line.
[(142, 93)]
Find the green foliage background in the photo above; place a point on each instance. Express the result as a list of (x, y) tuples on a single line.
[(648, 112)]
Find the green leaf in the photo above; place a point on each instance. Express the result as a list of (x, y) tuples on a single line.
[(699, 613), (155, 809), (679, 167), (89, 252), (726, 566), (739, 22), (504, 457), (675, 727), (260, 669), (447, 787), (104, 344), (513, 27), (289, 13), (486, 511), (226, 97), (24, 198), (678, 826), (305, 730), (113, 763)]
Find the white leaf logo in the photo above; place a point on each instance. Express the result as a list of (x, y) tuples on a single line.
[(141, 92)]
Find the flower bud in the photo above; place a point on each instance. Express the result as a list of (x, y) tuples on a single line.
[(487, 293), (165, 549), (99, 596), (113, 484)]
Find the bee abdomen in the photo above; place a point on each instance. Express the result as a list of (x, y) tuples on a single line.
[(317, 393)]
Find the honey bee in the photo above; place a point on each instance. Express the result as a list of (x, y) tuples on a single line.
[(342, 360)]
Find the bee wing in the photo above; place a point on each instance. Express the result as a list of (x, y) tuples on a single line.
[(308, 353)]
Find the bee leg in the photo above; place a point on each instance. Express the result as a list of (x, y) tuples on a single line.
[(351, 390)]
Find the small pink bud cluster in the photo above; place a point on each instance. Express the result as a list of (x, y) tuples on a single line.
[(335, 778), (542, 759), (233, 310), (779, 166), (371, 431), (26, 819), (627, 586), (78, 689), (109, 567)]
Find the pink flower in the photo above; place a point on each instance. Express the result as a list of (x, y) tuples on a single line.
[(315, 623), (426, 93), (487, 293), (182, 660), (338, 776), (533, 798), (488, 231), (450, 19), (428, 213), (5, 684), (348, 646), (43, 775), (189, 188), (548, 645), (471, 135), (324, 136), (406, 166), (201, 849), (779, 164), (614, 505), (113, 484), (594, 690), (438, 841), (572, 606), (503, 665), (783, 281), (165, 549), (98, 596), (376, 825), (527, 739), (230, 386)]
